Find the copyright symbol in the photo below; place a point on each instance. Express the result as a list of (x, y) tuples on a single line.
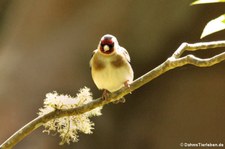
[(181, 144)]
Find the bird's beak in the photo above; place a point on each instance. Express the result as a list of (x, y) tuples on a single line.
[(106, 48)]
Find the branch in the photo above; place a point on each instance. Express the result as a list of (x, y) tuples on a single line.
[(172, 62)]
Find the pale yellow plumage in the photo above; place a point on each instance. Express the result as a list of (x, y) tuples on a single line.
[(110, 67)]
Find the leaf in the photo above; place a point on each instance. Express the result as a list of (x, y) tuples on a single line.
[(214, 25), (207, 1)]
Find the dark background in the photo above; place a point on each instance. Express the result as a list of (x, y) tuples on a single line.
[(46, 46)]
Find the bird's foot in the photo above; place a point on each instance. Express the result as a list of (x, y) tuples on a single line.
[(105, 94), (123, 100), (126, 84)]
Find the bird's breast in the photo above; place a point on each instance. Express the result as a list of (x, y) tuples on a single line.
[(111, 73), (118, 62)]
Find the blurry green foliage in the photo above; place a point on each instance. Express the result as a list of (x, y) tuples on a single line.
[(214, 25), (206, 1)]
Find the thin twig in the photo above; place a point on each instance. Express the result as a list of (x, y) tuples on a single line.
[(197, 46), (173, 62)]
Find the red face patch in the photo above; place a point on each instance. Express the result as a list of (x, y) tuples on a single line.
[(107, 41)]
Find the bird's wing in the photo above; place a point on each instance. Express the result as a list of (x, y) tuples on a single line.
[(90, 63), (125, 53)]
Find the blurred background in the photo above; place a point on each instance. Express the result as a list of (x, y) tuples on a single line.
[(46, 46)]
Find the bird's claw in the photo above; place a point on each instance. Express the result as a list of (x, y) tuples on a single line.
[(105, 94), (127, 85)]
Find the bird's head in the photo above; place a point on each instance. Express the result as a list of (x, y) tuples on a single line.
[(108, 44)]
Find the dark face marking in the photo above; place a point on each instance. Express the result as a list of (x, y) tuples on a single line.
[(107, 40)]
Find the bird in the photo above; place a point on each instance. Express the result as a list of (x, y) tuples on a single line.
[(110, 66)]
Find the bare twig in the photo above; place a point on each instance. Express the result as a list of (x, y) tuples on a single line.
[(172, 62)]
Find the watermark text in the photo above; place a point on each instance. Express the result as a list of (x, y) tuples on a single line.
[(200, 144)]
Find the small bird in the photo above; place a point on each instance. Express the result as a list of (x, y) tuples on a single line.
[(110, 66)]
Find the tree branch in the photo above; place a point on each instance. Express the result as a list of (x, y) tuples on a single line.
[(172, 62)]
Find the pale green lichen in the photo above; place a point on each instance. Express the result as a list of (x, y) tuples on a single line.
[(69, 126)]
